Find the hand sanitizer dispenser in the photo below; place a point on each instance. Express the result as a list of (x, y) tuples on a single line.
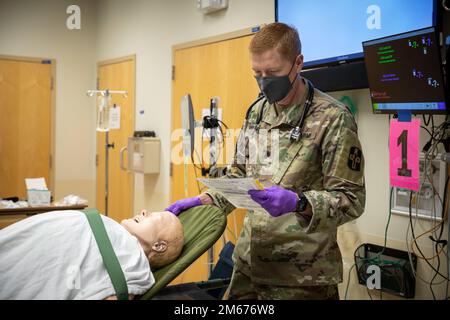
[(143, 155)]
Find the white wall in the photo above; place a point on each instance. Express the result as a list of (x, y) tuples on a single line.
[(38, 29)]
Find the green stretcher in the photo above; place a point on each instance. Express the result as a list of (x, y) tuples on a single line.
[(203, 226)]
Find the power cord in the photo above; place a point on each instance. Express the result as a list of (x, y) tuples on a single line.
[(376, 260), (431, 150), (437, 136)]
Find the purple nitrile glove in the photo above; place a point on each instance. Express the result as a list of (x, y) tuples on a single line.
[(183, 204), (276, 200)]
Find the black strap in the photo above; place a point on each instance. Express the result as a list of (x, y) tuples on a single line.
[(260, 97), (108, 255), (308, 104)]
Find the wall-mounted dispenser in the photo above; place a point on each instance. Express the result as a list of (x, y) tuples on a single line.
[(143, 155)]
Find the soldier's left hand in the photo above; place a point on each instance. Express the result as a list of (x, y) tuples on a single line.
[(276, 200)]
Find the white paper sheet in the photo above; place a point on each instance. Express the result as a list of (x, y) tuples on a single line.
[(235, 191), (36, 184), (114, 118)]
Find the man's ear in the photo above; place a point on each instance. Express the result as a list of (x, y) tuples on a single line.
[(299, 63), (159, 246)]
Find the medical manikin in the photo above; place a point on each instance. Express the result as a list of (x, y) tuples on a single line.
[(55, 256)]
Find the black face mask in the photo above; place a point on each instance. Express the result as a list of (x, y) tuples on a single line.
[(275, 88)]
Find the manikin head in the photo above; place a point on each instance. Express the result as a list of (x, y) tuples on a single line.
[(276, 53), (160, 235)]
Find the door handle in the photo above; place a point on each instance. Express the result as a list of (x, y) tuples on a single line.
[(122, 151)]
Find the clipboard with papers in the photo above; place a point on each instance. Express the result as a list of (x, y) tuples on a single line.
[(236, 191)]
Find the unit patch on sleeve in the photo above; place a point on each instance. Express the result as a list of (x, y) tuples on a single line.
[(354, 159)]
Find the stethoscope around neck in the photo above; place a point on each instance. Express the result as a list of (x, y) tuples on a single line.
[(296, 133)]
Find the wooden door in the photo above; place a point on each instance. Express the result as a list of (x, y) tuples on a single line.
[(117, 74), (222, 69), (25, 124)]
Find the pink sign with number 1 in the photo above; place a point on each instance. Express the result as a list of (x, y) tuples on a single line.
[(404, 154)]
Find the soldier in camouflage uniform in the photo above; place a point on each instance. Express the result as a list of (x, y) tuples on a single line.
[(284, 252)]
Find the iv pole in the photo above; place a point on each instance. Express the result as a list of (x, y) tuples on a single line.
[(213, 156), (213, 161), (106, 93)]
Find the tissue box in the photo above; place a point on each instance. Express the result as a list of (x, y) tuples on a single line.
[(39, 197)]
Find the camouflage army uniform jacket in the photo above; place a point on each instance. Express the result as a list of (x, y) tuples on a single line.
[(327, 165)]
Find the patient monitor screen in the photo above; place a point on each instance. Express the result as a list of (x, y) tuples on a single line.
[(405, 73)]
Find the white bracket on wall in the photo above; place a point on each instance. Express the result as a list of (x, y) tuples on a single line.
[(425, 199), (210, 6)]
